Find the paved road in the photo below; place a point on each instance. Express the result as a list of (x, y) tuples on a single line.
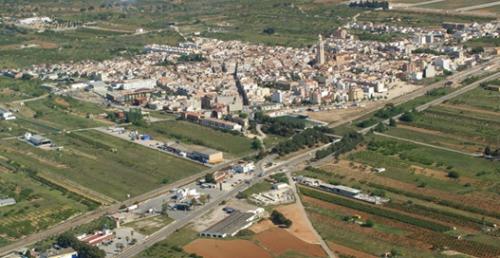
[(322, 242), (101, 211), (172, 227), (429, 145)]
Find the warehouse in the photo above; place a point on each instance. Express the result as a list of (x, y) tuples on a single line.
[(231, 225), (206, 155)]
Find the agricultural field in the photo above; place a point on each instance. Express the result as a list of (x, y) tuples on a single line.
[(13, 89), (75, 45), (455, 4), (357, 228), (63, 113), (190, 133), (478, 112), (99, 166), (38, 205)]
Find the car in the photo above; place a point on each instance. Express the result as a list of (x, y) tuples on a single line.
[(228, 209)]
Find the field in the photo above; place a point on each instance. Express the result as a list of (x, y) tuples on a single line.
[(12, 89), (455, 4), (478, 112), (94, 162), (393, 229), (38, 205), (75, 45), (149, 225), (191, 133)]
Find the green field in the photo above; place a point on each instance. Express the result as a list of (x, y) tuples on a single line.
[(102, 163), (479, 98), (78, 45), (62, 113), (38, 206), (455, 4), (190, 133), (12, 89)]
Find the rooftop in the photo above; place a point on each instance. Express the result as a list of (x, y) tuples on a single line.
[(231, 224)]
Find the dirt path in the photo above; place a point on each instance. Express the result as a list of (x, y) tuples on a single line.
[(472, 109), (349, 251)]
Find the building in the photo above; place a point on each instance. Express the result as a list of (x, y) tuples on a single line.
[(6, 115), (244, 167), (356, 94), (206, 155), (130, 96), (7, 202), (280, 186), (60, 253), (220, 124), (37, 140), (96, 238), (308, 181), (340, 189), (231, 225), (320, 58)]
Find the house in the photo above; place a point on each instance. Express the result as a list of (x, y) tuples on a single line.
[(308, 181), (231, 225), (220, 124), (7, 202), (6, 115), (60, 253)]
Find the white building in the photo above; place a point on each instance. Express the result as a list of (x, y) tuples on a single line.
[(6, 115), (244, 167), (7, 202)]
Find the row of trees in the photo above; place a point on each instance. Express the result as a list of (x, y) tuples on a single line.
[(370, 4), (307, 138), (348, 143)]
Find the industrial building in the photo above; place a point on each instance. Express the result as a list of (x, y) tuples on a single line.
[(231, 225), (6, 115), (7, 202), (59, 253), (37, 140), (207, 155)]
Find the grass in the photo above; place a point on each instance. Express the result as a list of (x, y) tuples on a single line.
[(191, 133), (62, 113), (172, 246), (258, 188), (479, 98), (13, 89), (38, 206), (455, 4), (108, 165)]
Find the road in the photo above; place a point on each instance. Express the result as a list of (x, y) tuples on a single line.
[(429, 145), (322, 242), (456, 78), (101, 211), (172, 227), (479, 6)]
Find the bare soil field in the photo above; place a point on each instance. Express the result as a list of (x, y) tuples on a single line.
[(287, 242), (214, 248), (262, 226), (299, 227), (348, 251)]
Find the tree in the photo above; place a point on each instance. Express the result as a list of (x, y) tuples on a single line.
[(392, 122), (407, 117), (453, 174), (243, 115), (380, 127), (279, 219), (368, 224), (209, 178), (257, 144), (269, 30), (135, 117), (487, 151)]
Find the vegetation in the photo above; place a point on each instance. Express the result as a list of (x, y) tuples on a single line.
[(84, 250), (390, 110), (307, 138), (279, 219), (348, 143), (15, 89), (283, 126), (375, 210)]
